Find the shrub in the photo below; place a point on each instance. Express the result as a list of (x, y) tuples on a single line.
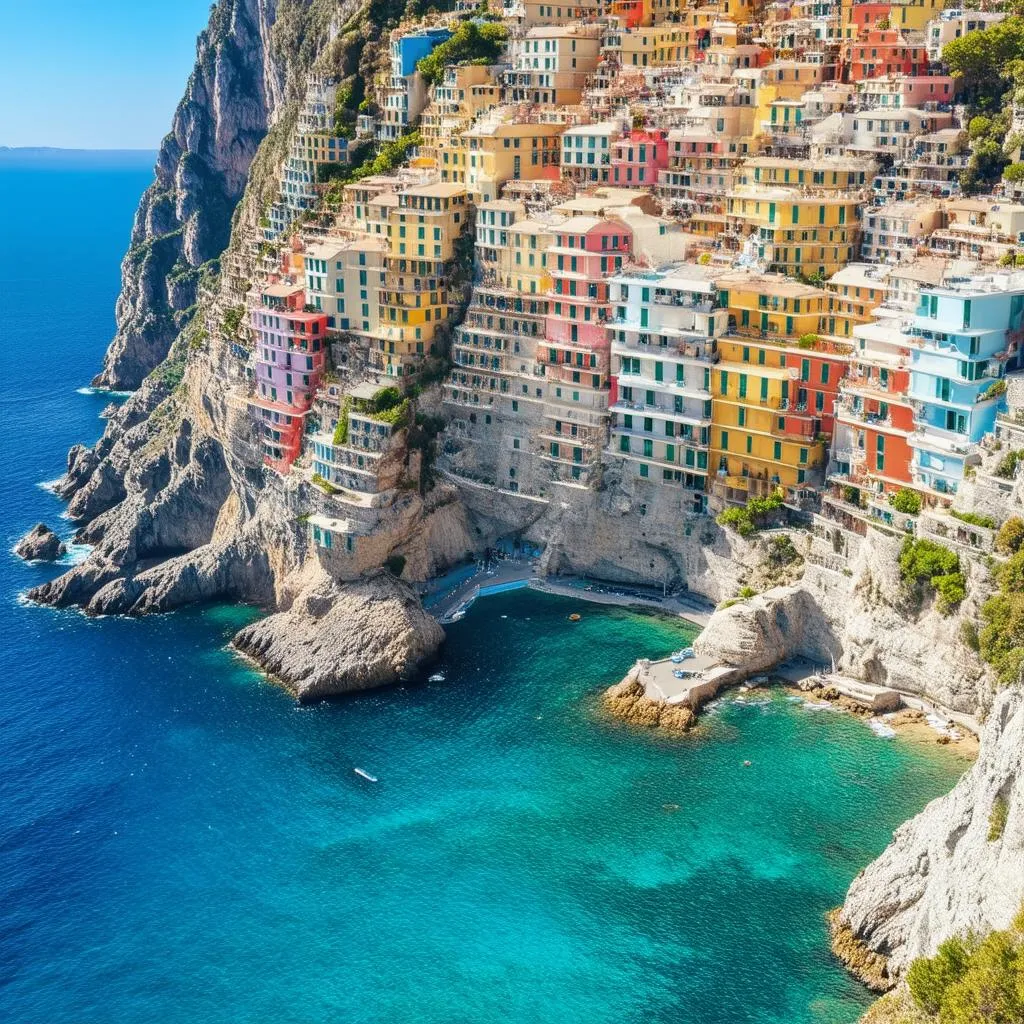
[(746, 592), (1006, 468), (807, 341), (470, 43), (997, 819), (324, 485), (924, 559), (341, 430), (747, 519), (1010, 536), (923, 562), (930, 979), (781, 551), (974, 519), (969, 635), (972, 980), (1001, 639), (232, 320), (906, 501), (952, 589)]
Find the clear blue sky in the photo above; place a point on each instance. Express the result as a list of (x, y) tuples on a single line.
[(94, 74)]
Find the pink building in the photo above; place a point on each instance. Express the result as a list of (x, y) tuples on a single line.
[(574, 354), (902, 91), (290, 351), (637, 158)]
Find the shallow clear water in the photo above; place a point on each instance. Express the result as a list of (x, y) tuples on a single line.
[(179, 842)]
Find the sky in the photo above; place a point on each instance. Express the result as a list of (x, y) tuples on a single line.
[(94, 74)]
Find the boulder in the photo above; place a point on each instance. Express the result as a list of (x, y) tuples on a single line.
[(337, 638), (40, 544)]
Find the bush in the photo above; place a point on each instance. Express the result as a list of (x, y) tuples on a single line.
[(906, 501), (232, 320), (969, 635), (1001, 639), (746, 592), (923, 562), (1007, 465), (972, 980), (952, 589), (470, 43), (324, 485), (1010, 536), (749, 518), (930, 979), (974, 519), (997, 819), (341, 430), (807, 341), (924, 559)]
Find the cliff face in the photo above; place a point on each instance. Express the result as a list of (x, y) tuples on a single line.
[(952, 868), (183, 222)]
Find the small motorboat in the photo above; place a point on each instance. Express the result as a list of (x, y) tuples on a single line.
[(437, 677), (747, 764), (365, 775), (575, 617)]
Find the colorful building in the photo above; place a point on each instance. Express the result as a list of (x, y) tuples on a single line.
[(663, 346), (963, 337), (638, 158), (574, 355), (290, 350)]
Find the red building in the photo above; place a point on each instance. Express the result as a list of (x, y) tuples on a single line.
[(884, 52), (637, 158)]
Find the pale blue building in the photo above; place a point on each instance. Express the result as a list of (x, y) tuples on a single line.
[(964, 336)]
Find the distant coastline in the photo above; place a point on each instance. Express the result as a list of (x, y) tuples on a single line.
[(50, 156)]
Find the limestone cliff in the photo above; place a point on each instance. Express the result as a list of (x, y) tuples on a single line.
[(951, 869), (239, 85)]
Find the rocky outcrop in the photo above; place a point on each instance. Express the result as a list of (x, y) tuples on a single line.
[(760, 632), (40, 544), (957, 866), (235, 92), (627, 701), (337, 638)]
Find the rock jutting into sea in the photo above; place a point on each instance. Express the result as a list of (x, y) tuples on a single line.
[(40, 544), (340, 638), (627, 700), (956, 867)]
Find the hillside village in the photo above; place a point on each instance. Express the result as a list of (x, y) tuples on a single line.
[(723, 249)]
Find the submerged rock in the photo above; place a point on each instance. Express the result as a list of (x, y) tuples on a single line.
[(40, 544), (338, 638)]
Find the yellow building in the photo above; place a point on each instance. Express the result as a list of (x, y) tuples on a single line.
[(650, 47), (771, 304), (496, 149), (853, 295), (464, 91), (424, 223), (803, 214)]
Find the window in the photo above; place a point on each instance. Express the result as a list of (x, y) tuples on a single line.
[(777, 451), (725, 440)]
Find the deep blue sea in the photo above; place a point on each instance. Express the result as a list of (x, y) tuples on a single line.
[(181, 843)]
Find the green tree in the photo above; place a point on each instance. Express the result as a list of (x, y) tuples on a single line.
[(931, 978), (983, 61)]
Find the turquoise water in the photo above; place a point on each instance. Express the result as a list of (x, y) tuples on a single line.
[(180, 842)]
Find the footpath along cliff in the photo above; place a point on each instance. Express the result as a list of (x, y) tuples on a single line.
[(179, 508)]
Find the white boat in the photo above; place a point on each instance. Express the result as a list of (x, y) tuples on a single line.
[(437, 677), (365, 775)]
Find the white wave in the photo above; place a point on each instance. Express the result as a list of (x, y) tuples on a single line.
[(881, 728), (49, 485), (103, 391), (76, 554)]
